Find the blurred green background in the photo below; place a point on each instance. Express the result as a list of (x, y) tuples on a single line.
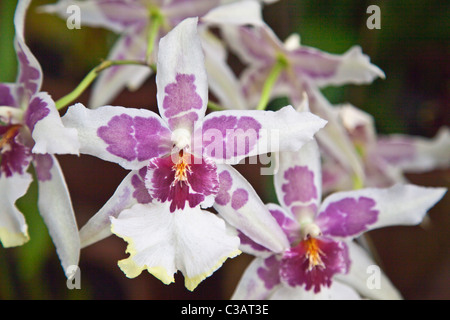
[(412, 47)]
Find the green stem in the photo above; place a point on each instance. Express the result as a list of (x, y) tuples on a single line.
[(155, 24), (278, 67), (90, 77), (214, 106), (358, 182)]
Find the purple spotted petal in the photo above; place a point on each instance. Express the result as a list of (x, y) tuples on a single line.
[(313, 63), (181, 96), (297, 270), (298, 181), (230, 136), (43, 164), (286, 221), (15, 156), (127, 136), (239, 204), (300, 185), (269, 272), (200, 181), (30, 74), (123, 13), (133, 138), (347, 217), (37, 110), (182, 85), (225, 137), (7, 96), (140, 192), (225, 183)]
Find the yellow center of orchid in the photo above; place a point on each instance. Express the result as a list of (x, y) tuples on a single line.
[(313, 253), (181, 167)]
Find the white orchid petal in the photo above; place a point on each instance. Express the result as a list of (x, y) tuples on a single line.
[(238, 203), (193, 241), (350, 213), (13, 227), (366, 276), (56, 209), (48, 132), (252, 286), (181, 78), (127, 136)]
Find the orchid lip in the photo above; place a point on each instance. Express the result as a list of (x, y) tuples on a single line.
[(181, 177)]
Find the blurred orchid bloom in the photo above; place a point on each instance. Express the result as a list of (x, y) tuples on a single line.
[(386, 158), (299, 72), (300, 66), (323, 261), (181, 162), (31, 132), (134, 20)]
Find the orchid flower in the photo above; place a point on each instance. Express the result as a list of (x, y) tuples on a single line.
[(140, 24), (275, 69), (180, 164), (31, 132), (386, 158), (292, 66), (322, 260)]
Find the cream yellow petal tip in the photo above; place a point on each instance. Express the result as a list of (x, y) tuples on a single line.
[(192, 283), (13, 239), (161, 274), (132, 270)]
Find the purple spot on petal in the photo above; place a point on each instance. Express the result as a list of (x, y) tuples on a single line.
[(29, 75), (148, 133), (140, 191), (119, 135), (43, 165), (225, 183), (181, 96), (6, 97), (269, 273), (37, 110), (300, 185), (135, 138), (230, 136), (239, 198), (347, 217)]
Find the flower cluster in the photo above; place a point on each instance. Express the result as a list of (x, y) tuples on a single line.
[(183, 205)]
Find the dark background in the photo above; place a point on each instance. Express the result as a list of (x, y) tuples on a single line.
[(412, 47)]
